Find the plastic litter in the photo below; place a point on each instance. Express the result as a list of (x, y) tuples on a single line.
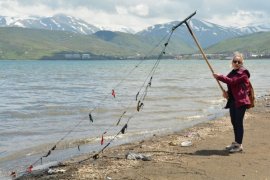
[(186, 143), (136, 156), (55, 171)]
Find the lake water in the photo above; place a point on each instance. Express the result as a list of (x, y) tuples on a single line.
[(44, 103)]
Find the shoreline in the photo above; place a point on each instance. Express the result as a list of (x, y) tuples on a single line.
[(204, 159)]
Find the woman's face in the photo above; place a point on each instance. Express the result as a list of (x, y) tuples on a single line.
[(237, 62)]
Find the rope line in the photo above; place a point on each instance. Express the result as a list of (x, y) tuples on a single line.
[(140, 101), (29, 169), (140, 104)]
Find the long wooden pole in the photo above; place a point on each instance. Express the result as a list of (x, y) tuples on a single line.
[(204, 56)]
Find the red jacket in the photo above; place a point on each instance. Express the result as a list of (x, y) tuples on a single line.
[(238, 85)]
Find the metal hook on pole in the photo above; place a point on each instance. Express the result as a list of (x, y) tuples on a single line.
[(179, 24)]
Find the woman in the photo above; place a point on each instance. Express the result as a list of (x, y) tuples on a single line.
[(238, 84)]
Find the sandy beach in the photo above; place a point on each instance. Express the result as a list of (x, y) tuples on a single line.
[(165, 158)]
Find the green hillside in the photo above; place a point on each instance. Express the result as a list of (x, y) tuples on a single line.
[(175, 46), (21, 43), (254, 43), (146, 46), (130, 42)]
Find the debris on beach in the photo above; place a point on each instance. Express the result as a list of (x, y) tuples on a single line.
[(186, 143), (192, 134), (136, 156), (56, 171), (13, 174), (173, 143)]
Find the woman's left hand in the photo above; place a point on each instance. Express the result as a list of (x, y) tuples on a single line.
[(215, 75)]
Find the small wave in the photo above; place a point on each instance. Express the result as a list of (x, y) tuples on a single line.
[(195, 117), (212, 101), (2, 153), (18, 133)]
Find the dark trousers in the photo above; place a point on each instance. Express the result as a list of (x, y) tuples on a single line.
[(237, 117)]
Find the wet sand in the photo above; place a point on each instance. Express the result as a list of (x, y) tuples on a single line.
[(204, 159)]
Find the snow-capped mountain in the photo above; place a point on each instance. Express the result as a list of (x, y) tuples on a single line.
[(256, 28), (57, 22), (117, 28), (207, 33)]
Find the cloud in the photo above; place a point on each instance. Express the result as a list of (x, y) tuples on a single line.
[(240, 18), (121, 10), (140, 10), (139, 14)]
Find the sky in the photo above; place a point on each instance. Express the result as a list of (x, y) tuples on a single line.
[(140, 14)]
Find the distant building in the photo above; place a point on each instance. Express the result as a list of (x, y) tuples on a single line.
[(86, 56), (73, 56)]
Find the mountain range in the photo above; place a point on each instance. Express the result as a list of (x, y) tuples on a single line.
[(117, 42), (208, 33)]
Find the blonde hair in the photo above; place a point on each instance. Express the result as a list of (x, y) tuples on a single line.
[(239, 55)]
